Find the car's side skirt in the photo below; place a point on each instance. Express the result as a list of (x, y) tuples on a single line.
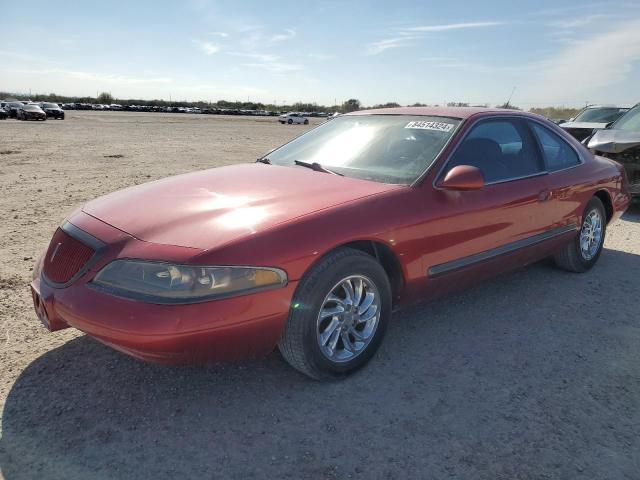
[(448, 267)]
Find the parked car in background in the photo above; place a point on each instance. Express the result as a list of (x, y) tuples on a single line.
[(31, 112), (312, 246), (293, 117), (3, 114), (592, 118), (13, 107), (52, 110), (621, 142)]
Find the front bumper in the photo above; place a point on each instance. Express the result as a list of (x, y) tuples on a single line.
[(226, 329), (55, 114), (34, 116)]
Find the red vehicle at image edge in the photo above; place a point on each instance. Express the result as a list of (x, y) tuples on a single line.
[(312, 246)]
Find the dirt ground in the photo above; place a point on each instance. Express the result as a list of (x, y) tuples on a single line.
[(532, 375)]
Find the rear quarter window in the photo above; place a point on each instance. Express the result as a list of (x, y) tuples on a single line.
[(558, 154)]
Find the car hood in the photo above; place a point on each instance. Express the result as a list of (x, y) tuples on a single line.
[(585, 125), (614, 141), (209, 208)]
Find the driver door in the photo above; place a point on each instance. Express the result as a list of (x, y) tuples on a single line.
[(480, 229)]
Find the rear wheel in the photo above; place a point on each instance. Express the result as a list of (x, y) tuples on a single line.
[(338, 317), (306, 122), (583, 252)]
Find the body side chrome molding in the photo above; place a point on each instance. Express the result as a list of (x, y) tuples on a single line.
[(448, 267)]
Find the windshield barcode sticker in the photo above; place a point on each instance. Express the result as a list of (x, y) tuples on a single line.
[(438, 126)]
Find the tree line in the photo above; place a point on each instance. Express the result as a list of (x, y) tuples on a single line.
[(350, 105)]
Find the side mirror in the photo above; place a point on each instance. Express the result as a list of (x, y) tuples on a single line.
[(462, 177)]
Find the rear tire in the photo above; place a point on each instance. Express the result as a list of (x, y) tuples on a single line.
[(306, 122), (355, 336), (585, 249)]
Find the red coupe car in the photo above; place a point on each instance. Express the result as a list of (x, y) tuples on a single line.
[(311, 247)]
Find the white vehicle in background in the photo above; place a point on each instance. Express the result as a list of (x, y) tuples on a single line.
[(293, 117), (333, 115)]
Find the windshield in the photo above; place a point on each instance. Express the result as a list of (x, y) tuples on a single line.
[(630, 121), (599, 115), (382, 148), (50, 105), (31, 107)]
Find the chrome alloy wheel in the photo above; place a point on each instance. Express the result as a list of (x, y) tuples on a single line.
[(591, 234), (348, 318)]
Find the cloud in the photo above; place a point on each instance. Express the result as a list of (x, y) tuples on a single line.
[(207, 48), (255, 38), (99, 77), (380, 46), (320, 56), (581, 21), (270, 62), (581, 7), (219, 34), (451, 26), (407, 35), (282, 37), (22, 56), (598, 61)]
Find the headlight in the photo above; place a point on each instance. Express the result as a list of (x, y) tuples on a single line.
[(157, 282)]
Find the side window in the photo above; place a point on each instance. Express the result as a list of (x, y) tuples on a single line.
[(557, 153), (501, 149)]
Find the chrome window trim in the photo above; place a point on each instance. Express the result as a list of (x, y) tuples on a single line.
[(513, 179)]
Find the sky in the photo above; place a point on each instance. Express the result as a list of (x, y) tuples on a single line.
[(552, 52)]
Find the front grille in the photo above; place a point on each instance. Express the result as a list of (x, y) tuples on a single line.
[(579, 133), (65, 257), (630, 160)]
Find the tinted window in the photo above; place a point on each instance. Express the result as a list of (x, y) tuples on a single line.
[(557, 153), (501, 149)]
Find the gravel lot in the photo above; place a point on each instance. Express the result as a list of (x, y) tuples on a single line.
[(532, 375)]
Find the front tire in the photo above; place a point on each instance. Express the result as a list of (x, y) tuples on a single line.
[(289, 121), (583, 252), (338, 316)]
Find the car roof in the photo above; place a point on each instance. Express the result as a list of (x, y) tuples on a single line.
[(451, 112), (607, 106)]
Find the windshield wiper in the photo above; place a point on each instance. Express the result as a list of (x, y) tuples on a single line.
[(264, 160), (317, 167)]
